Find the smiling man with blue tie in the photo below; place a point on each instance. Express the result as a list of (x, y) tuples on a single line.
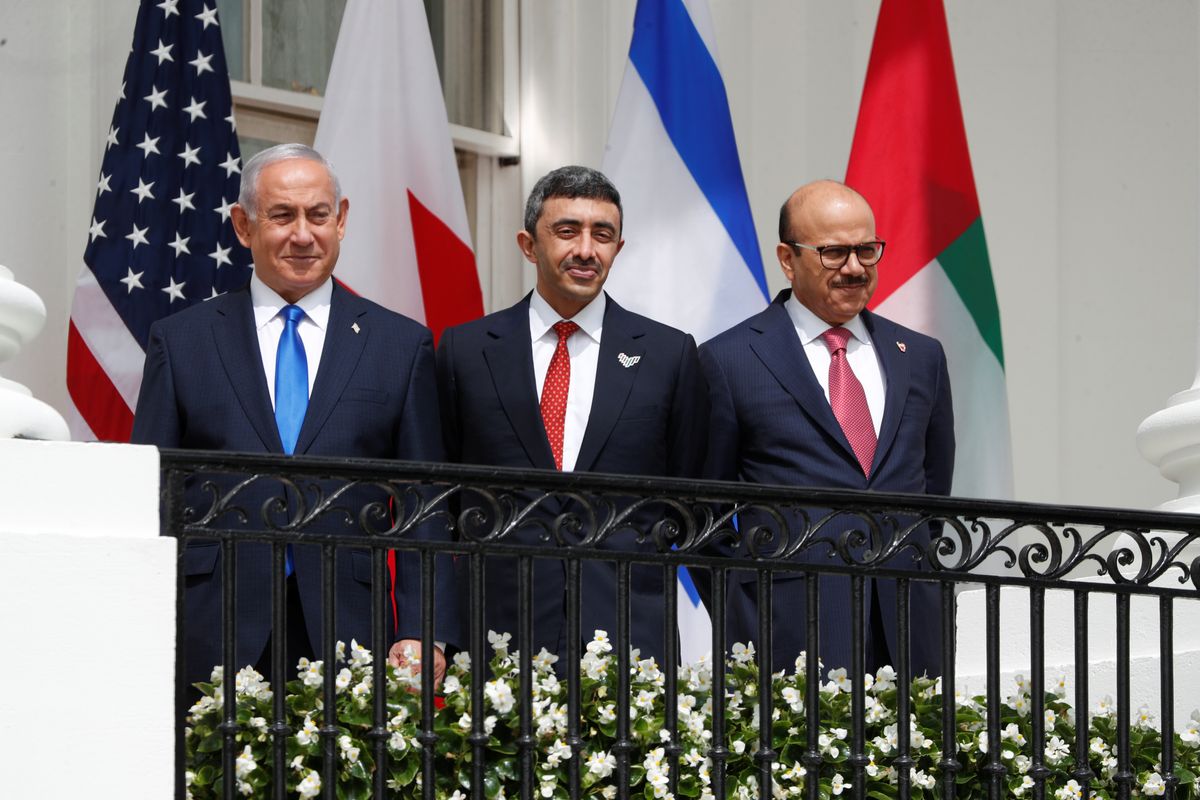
[(293, 363), (567, 379), (817, 391)]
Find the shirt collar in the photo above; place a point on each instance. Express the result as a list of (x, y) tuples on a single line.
[(267, 304), (809, 326), (542, 317)]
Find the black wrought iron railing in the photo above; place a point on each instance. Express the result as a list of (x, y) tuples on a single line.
[(729, 535)]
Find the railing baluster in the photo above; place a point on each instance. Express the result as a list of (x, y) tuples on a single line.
[(1166, 655), (525, 740), (623, 745), (174, 482), (1037, 688), (1083, 771), (949, 763), (671, 674), (574, 701), (995, 769), (719, 753), (1123, 777), (229, 725), (479, 673), (766, 755), (428, 614), (329, 728), (812, 687), (858, 668), (280, 730), (904, 760)]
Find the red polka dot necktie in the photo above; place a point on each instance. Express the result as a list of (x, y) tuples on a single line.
[(848, 399), (554, 390)]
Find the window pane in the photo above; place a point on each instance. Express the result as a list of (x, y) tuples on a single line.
[(298, 41), (233, 36), (468, 42)]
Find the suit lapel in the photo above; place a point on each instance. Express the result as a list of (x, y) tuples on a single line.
[(895, 366), (621, 336), (339, 358), (509, 359), (237, 347), (780, 351)]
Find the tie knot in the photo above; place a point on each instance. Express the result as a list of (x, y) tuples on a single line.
[(565, 328), (835, 339), (292, 314)]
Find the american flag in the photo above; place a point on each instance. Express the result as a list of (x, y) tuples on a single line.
[(160, 238)]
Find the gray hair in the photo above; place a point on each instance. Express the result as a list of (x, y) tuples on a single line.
[(570, 182), (248, 192)]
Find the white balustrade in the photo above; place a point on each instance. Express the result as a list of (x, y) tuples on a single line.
[(22, 315)]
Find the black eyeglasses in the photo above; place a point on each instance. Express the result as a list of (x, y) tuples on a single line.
[(835, 256)]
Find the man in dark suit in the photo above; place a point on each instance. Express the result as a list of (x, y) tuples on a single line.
[(567, 379), (293, 363), (817, 391)]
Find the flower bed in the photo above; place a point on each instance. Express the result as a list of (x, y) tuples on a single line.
[(648, 763)]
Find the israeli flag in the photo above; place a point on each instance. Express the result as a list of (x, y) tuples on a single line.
[(691, 256)]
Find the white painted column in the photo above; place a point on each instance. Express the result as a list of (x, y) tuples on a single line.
[(22, 315)]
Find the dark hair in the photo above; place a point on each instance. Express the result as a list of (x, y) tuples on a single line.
[(785, 222), (570, 182)]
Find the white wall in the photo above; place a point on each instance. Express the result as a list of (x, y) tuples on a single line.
[(1083, 119)]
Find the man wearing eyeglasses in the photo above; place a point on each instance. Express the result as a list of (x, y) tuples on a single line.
[(817, 391)]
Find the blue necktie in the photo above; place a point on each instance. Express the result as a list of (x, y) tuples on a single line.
[(291, 387)]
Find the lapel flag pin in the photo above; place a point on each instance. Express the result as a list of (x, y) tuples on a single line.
[(356, 329), (903, 347), (628, 361)]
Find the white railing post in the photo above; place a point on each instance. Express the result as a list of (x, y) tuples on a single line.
[(22, 315)]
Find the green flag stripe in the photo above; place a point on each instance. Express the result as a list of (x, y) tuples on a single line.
[(966, 264)]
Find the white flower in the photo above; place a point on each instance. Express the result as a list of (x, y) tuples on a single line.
[(464, 722), (310, 786), (794, 698), (462, 660), (499, 642), (601, 763), (1059, 687), (594, 666), (1056, 751), (310, 673), (983, 741), (245, 763), (1191, 731), (544, 660), (1143, 719), (739, 746), (885, 680), (608, 792), (1012, 734), (500, 694), (607, 713), (1069, 792), (600, 644), (645, 700), (1105, 708), (743, 653), (343, 679), (359, 655), (560, 751), (309, 733), (349, 751), (922, 779), (838, 677), (839, 784), (1026, 782), (1154, 785)]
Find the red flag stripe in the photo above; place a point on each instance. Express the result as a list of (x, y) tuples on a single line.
[(910, 157), (94, 396), (449, 281)]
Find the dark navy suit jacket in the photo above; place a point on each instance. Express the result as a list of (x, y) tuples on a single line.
[(374, 396), (772, 424), (646, 419)]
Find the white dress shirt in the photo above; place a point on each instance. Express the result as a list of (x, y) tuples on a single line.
[(584, 349), (860, 354), (269, 324)]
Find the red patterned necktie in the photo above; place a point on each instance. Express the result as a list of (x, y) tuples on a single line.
[(554, 390), (848, 399)]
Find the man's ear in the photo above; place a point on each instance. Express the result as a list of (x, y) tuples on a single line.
[(241, 224), (343, 212), (525, 241), (785, 254)]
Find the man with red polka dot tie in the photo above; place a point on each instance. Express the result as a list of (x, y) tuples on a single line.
[(567, 379), (818, 391)]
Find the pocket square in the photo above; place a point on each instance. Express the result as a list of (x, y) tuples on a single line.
[(628, 361)]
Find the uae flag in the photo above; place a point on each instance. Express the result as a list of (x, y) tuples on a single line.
[(384, 128), (910, 160)]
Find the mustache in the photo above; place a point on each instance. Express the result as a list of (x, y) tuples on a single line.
[(851, 281), (591, 263)]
